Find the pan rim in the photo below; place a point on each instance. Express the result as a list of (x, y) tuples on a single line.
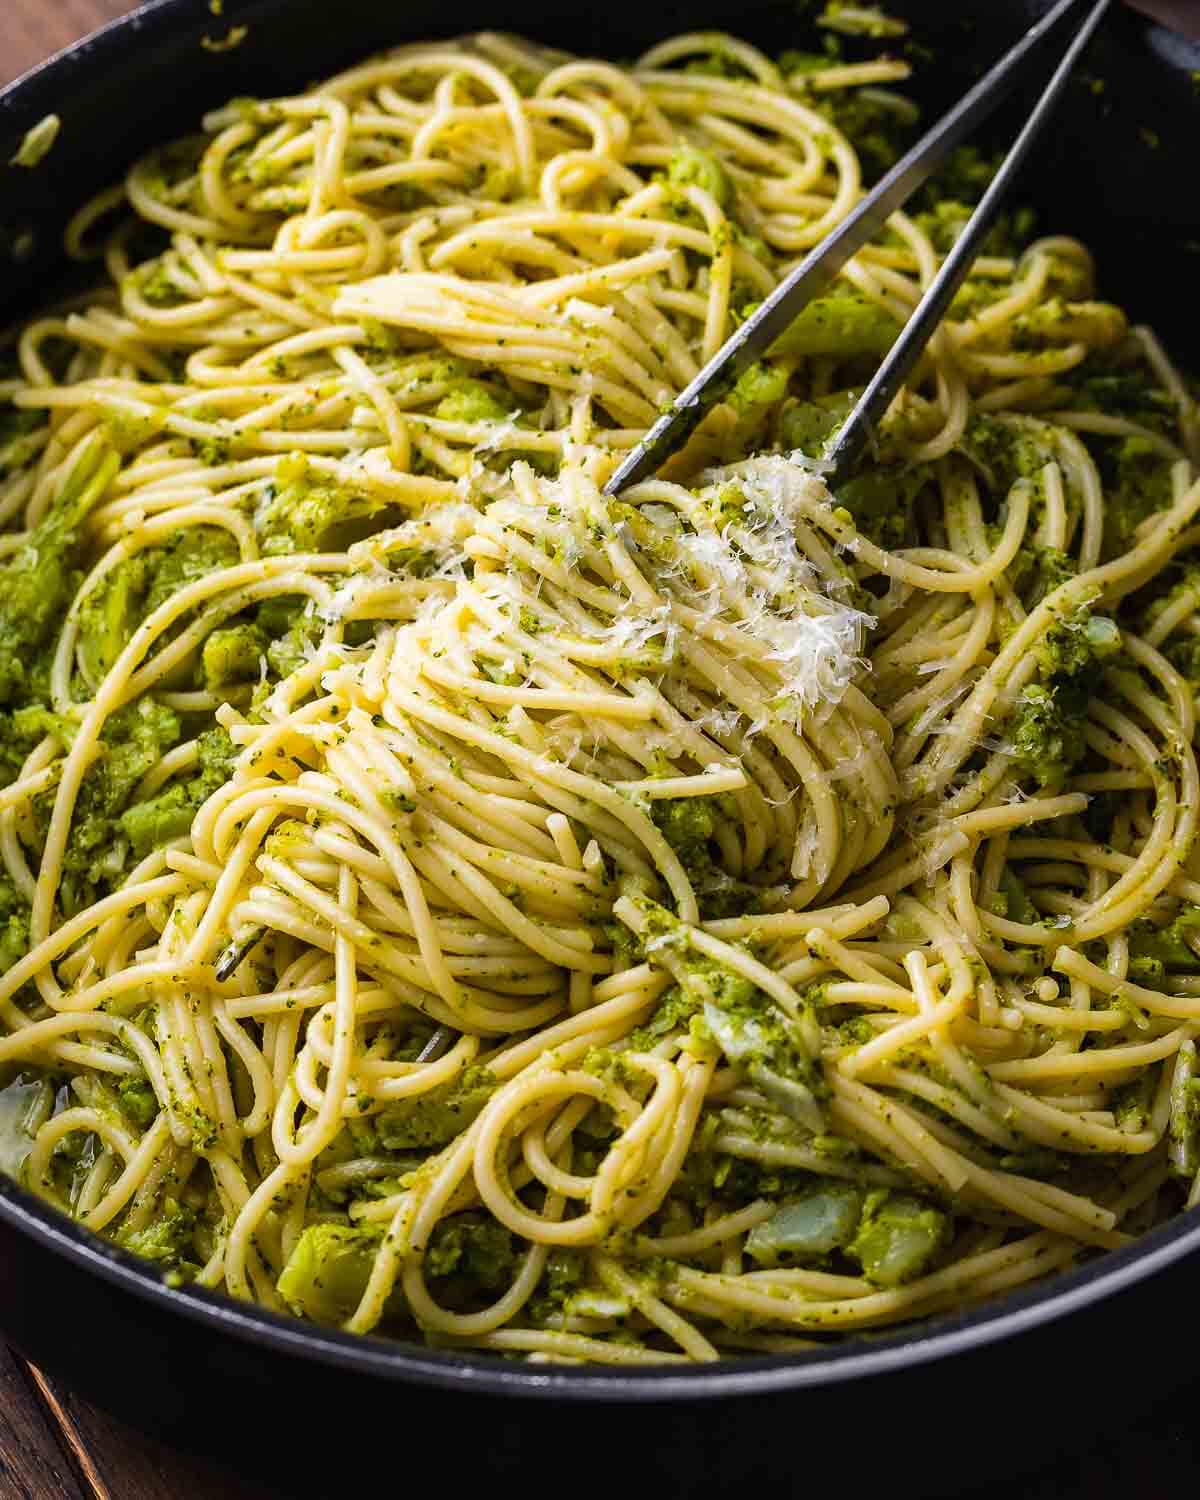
[(395, 1361)]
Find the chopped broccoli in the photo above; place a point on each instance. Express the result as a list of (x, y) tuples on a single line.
[(873, 126), (167, 1239), (1138, 483), (1097, 385), (292, 632), (689, 165), (945, 220), (1046, 730), (947, 201), (140, 584), (1173, 947), (137, 1100), (233, 655), (472, 401), (673, 1012), (882, 502), (436, 1118), (38, 582), (687, 824), (565, 1272), (328, 1270), (474, 1249), (759, 387), (132, 742), (18, 427), (1038, 571), (300, 514), (808, 426), (170, 814), (764, 1045), (897, 1237), (23, 729), (14, 939), (1073, 645), (808, 1228), (843, 324), (1006, 451)]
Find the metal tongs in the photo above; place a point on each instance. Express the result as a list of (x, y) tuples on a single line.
[(818, 270)]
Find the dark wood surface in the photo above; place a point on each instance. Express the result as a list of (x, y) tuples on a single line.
[(54, 1446)]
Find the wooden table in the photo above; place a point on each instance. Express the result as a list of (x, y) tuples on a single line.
[(54, 1446)]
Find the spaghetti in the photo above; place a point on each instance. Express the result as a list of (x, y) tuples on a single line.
[(441, 898)]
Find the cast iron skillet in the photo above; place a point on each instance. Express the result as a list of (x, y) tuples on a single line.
[(942, 1407)]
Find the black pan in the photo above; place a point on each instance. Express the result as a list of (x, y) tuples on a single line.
[(941, 1408)]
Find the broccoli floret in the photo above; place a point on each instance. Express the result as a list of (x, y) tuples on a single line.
[(947, 201), (156, 286), (23, 729), (1038, 571), (691, 166), (765, 1046), (565, 1272), (1122, 393), (167, 1239), (794, 63), (473, 1249), (1006, 452), (759, 387), (327, 1272), (14, 924), (687, 824), (137, 1100), (37, 583), (1156, 950), (14, 939), (882, 503), (132, 742), (715, 64), (300, 514), (472, 401), (1046, 731), (897, 1237), (733, 426), (171, 813), (233, 655), (436, 1118), (1073, 646), (877, 131), (808, 426), (291, 632), (1184, 656), (674, 1010), (137, 586), (965, 176)]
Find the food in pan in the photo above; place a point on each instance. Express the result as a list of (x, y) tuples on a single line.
[(441, 900)]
